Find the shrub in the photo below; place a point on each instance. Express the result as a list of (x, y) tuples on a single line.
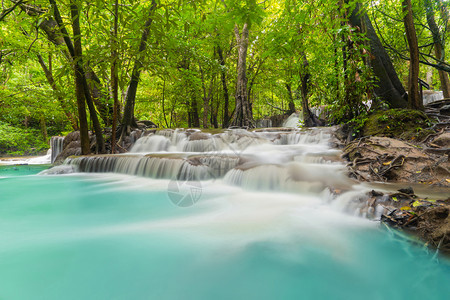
[(16, 141)]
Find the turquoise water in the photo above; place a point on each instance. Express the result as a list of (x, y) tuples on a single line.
[(21, 170), (116, 237)]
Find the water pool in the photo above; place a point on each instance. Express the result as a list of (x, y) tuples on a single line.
[(92, 236)]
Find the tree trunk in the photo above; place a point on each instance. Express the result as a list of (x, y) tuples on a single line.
[(439, 47), (215, 112), (193, 112), (79, 90), (291, 99), (308, 117), (242, 115), (62, 103), (387, 85), (99, 98), (128, 120), (114, 77), (226, 97), (78, 60), (414, 99)]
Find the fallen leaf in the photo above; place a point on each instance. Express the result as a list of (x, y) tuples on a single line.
[(416, 203), (394, 198), (405, 208)]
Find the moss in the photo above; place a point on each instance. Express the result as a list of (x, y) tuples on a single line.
[(406, 124)]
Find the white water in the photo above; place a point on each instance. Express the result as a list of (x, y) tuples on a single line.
[(431, 96), (38, 160), (267, 160), (293, 121)]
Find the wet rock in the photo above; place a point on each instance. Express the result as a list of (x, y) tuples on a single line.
[(427, 219), (445, 110), (409, 191), (146, 124), (73, 148), (199, 136), (72, 136), (434, 227)]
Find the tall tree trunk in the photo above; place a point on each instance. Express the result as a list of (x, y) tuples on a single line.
[(226, 97), (387, 85), (62, 103), (308, 118), (79, 90), (439, 47), (78, 60), (99, 98), (242, 114), (193, 112), (114, 77), (291, 99), (128, 120), (414, 99), (215, 111)]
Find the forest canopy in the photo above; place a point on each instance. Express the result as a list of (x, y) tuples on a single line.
[(212, 64)]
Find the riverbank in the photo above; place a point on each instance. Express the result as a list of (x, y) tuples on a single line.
[(399, 153)]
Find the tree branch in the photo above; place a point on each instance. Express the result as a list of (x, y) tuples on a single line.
[(7, 11)]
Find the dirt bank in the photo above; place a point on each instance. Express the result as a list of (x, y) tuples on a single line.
[(394, 149)]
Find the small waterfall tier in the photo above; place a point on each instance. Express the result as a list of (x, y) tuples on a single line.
[(275, 158), (163, 166), (56, 146)]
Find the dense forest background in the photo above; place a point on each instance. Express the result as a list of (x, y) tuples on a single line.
[(90, 65)]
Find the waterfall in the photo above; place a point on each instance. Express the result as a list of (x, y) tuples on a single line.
[(293, 121), (56, 146), (272, 159), (181, 167), (288, 160), (151, 143), (431, 96)]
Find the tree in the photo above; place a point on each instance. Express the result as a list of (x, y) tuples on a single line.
[(439, 46), (51, 82), (414, 99), (128, 120), (387, 85), (114, 77), (81, 85), (243, 113)]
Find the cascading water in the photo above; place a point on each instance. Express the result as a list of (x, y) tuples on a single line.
[(193, 215), (293, 121), (56, 147), (431, 96)]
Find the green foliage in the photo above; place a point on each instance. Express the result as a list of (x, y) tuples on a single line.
[(182, 72), (16, 141)]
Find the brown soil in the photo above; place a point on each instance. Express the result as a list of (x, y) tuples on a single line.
[(396, 155), (388, 159)]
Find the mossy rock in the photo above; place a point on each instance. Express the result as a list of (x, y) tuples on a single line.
[(407, 124)]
